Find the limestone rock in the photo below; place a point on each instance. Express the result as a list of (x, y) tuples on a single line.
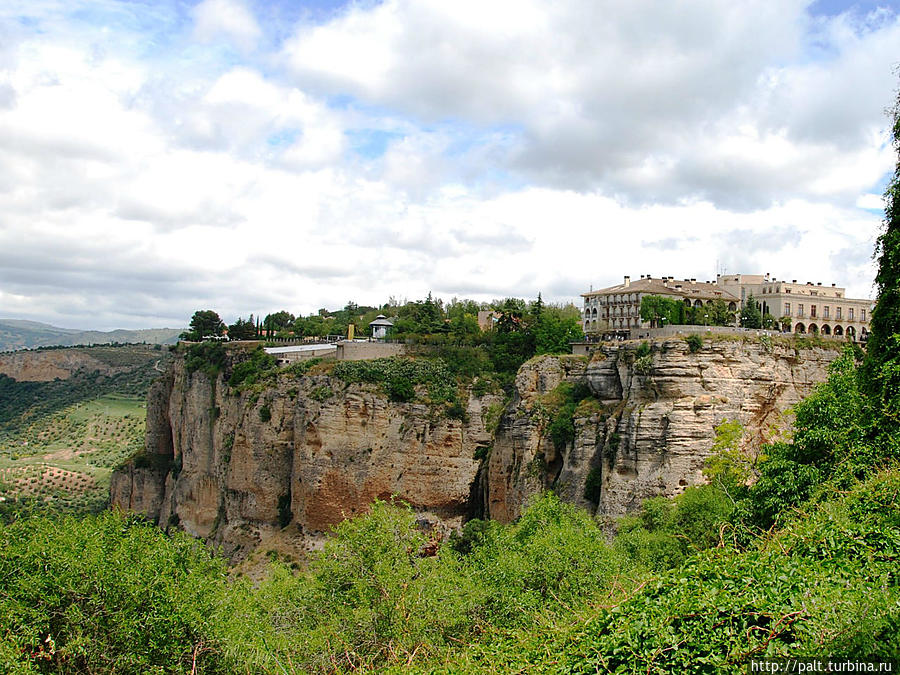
[(291, 461)]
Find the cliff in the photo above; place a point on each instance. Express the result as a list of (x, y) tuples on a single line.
[(53, 364), (650, 422), (294, 458)]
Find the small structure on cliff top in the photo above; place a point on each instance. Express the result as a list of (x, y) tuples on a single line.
[(381, 326)]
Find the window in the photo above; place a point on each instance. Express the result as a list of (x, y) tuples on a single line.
[(787, 290), (827, 311), (787, 309), (812, 311), (838, 315), (862, 315), (850, 314), (800, 309)]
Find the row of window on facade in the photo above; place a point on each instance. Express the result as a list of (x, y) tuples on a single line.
[(837, 331), (826, 312), (613, 323), (632, 310)]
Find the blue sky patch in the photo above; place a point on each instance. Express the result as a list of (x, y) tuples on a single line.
[(371, 143)]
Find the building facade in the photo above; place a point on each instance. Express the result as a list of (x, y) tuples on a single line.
[(802, 308), (617, 309)]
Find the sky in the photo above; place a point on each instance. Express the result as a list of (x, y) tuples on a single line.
[(159, 157)]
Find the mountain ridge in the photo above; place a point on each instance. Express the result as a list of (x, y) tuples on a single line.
[(16, 334)]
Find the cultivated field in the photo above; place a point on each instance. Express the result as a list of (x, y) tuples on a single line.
[(65, 459)]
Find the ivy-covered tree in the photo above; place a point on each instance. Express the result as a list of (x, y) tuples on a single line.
[(662, 311), (881, 372)]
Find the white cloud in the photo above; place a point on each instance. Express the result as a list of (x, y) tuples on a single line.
[(423, 146), (642, 100), (229, 18)]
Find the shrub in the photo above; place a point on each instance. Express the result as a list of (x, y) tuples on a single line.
[(643, 365), (694, 343), (265, 413), (251, 370), (207, 357), (106, 593), (321, 393)]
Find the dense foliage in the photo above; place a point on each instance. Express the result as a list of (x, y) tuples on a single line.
[(105, 594), (662, 311)]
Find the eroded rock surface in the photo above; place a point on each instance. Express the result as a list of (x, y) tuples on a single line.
[(299, 457), (650, 432)]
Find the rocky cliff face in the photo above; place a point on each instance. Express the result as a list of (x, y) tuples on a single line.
[(49, 365), (300, 456), (650, 427), (296, 459)]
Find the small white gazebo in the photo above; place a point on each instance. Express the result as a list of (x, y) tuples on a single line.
[(380, 327)]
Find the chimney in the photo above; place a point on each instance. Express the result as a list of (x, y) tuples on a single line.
[(627, 281)]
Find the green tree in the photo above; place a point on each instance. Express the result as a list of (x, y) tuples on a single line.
[(751, 317), (882, 366), (204, 323), (278, 321), (662, 311), (242, 330), (556, 328), (719, 314)]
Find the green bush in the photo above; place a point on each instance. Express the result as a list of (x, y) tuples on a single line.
[(207, 357), (562, 403), (643, 365), (399, 376), (321, 393), (265, 413), (694, 343), (106, 593), (248, 372)]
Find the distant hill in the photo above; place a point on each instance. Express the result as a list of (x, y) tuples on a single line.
[(21, 334)]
